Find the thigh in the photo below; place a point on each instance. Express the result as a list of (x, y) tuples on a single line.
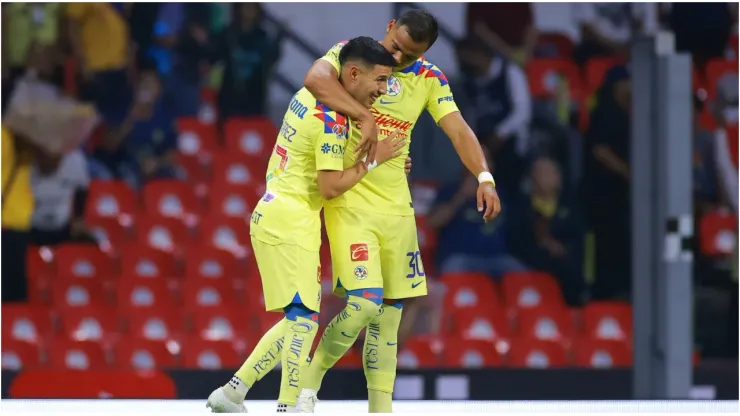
[(355, 250), (289, 274), (403, 270)]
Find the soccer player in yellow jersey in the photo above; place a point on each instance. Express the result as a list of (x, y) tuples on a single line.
[(306, 167), (371, 228)]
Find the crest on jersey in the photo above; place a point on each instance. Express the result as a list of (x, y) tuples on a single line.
[(360, 272), (394, 87)]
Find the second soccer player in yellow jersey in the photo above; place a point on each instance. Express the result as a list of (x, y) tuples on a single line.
[(306, 168), (371, 228)]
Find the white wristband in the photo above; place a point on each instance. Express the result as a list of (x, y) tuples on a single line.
[(372, 165), (486, 177)]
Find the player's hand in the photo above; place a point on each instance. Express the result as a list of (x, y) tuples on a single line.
[(390, 148), (369, 143), (407, 167), (488, 200)]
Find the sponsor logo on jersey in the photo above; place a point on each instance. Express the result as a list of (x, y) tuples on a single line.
[(318, 277), (394, 87), (443, 99), (268, 197), (302, 327), (385, 121), (360, 272), (340, 130), (297, 108), (334, 149), (358, 252)]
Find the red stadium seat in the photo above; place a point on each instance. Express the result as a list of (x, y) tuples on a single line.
[(228, 234), (235, 201), (716, 69), (596, 69), (146, 262), (525, 290), (718, 234), (211, 263), (114, 230), (463, 353), (148, 294), (170, 198), (601, 353), (110, 199), (608, 320), (472, 324), (142, 354), (552, 324), (252, 138), (351, 359), (91, 323), (77, 355), (537, 353), (218, 323), (82, 261), (161, 233), (427, 238), (545, 74), (40, 270), (198, 167), (232, 169), (212, 293), (160, 324), (470, 290), (79, 293), (210, 355), (20, 355), (419, 352), (196, 137), (25, 322)]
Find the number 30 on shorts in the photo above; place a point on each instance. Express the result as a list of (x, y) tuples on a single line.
[(415, 265)]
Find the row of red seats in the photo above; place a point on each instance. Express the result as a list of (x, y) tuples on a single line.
[(194, 352)]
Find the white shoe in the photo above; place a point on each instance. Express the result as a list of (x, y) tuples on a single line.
[(218, 402), (306, 401)]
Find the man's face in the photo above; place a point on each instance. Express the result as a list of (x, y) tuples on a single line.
[(398, 42), (366, 83)]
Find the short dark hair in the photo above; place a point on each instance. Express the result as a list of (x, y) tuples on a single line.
[(422, 26), (367, 50)]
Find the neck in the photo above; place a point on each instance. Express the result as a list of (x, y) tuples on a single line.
[(544, 193)]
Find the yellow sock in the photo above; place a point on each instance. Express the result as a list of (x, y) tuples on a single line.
[(299, 335), (381, 353), (338, 337), (264, 356)]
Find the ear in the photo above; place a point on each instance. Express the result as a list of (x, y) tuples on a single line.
[(354, 72), (390, 25)]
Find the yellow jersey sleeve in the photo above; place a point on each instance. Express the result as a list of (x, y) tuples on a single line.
[(439, 99), (330, 138), (333, 55)]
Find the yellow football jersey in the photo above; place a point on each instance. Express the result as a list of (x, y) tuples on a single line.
[(410, 90), (311, 138)]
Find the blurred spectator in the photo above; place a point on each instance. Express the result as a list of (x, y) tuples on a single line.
[(17, 207), (725, 111), (702, 29), (248, 54), (29, 30), (141, 18), (607, 183), (99, 38), (497, 101), (143, 147), (705, 182), (507, 28), (548, 232), (466, 243), (606, 28), (59, 186)]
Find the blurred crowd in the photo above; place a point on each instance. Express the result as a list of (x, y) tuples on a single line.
[(560, 151)]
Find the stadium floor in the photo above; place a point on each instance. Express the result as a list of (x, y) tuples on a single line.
[(344, 407)]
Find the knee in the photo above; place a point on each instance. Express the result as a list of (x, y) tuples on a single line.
[(362, 309), (299, 310)]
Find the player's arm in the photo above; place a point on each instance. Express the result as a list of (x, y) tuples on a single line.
[(441, 105), (333, 179), (322, 80)]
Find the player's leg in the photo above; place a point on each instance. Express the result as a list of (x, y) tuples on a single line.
[(356, 269), (403, 278)]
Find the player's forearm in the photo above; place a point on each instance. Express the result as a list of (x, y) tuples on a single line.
[(324, 84), (334, 184), (465, 143)]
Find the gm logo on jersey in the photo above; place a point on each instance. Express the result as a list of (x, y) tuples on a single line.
[(394, 87), (335, 149), (360, 272)]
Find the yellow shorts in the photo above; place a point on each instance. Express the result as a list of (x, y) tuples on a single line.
[(287, 270), (370, 250)]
